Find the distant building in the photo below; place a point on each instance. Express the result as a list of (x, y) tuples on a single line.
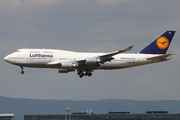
[(6, 116), (111, 116)]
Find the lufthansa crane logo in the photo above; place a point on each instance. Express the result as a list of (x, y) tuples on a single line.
[(162, 42)]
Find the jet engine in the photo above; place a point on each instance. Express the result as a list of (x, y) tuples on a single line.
[(65, 70), (68, 65), (93, 61)]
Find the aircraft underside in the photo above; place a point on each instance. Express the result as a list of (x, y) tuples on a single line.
[(80, 71)]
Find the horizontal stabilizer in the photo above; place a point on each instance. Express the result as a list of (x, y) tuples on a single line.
[(160, 57)]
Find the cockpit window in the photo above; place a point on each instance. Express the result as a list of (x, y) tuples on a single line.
[(18, 50)]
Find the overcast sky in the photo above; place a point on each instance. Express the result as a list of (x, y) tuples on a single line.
[(91, 26)]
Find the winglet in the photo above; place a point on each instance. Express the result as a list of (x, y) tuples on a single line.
[(128, 48)]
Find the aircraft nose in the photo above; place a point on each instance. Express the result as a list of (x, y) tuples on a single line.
[(6, 58)]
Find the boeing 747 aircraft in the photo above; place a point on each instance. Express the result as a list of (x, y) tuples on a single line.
[(86, 63)]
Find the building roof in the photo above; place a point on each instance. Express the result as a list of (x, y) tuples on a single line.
[(4, 115)]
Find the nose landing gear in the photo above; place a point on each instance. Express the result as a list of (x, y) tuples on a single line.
[(22, 70)]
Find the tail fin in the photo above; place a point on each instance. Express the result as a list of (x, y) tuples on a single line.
[(160, 45)]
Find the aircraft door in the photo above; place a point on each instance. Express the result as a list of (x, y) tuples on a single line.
[(23, 56)]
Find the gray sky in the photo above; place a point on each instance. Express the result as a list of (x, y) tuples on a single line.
[(91, 26)]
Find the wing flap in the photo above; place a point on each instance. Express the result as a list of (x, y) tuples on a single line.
[(54, 62)]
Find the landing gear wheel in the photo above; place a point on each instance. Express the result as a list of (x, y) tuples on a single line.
[(22, 72), (81, 74), (84, 73), (88, 74)]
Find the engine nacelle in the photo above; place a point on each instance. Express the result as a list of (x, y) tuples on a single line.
[(68, 65), (92, 61), (65, 70)]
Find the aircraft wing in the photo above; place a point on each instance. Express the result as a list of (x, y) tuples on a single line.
[(55, 62), (108, 56), (92, 62), (116, 52)]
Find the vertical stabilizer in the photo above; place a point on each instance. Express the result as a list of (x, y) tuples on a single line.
[(160, 45)]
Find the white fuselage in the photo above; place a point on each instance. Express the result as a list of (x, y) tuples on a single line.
[(39, 58), (85, 63)]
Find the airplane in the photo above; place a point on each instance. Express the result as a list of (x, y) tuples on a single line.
[(85, 63)]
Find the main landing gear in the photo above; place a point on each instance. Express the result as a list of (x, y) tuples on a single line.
[(86, 73), (22, 70)]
